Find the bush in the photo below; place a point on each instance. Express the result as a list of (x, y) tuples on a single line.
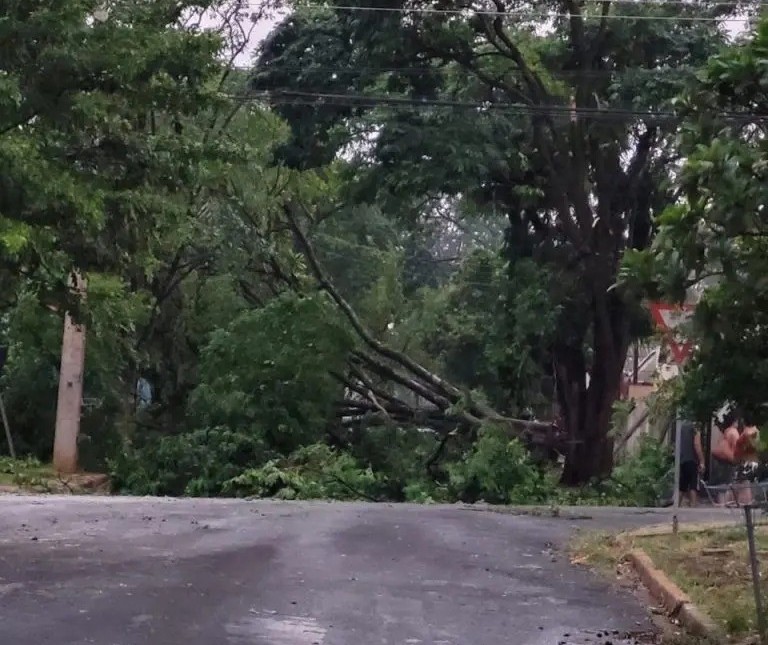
[(26, 472), (398, 456), (271, 369), (387, 465), (499, 470), (198, 463), (639, 480)]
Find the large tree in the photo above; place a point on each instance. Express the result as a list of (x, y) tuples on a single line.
[(90, 154), (555, 114), (126, 144)]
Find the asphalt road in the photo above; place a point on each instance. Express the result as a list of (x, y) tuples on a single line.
[(127, 571)]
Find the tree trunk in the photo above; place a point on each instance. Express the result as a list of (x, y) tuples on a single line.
[(591, 449), (588, 411)]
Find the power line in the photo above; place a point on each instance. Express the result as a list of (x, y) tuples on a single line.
[(289, 97), (530, 14), (563, 110), (599, 73), (603, 115)]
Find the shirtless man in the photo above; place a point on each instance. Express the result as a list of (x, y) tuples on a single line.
[(732, 454)]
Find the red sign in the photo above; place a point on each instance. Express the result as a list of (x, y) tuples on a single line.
[(670, 318)]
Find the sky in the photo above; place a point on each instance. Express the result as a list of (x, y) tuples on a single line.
[(260, 31), (734, 27)]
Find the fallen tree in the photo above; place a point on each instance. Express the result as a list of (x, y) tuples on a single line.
[(373, 371)]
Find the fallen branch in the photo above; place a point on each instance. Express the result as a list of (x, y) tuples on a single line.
[(437, 453), (350, 488), (380, 348), (423, 382), (391, 374)]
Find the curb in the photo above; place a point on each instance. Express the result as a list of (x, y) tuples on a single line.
[(689, 527), (674, 600)]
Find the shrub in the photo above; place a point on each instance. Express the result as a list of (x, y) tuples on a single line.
[(399, 456), (271, 369), (499, 470), (197, 463), (639, 480)]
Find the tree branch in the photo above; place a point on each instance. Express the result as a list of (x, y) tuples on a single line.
[(538, 92), (446, 389), (414, 386), (426, 384)]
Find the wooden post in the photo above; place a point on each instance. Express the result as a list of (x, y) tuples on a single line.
[(70, 399)]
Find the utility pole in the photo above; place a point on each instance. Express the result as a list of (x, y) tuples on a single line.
[(70, 399)]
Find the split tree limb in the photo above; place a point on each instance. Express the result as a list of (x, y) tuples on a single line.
[(422, 382), (325, 283)]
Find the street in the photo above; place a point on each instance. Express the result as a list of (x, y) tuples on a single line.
[(136, 571)]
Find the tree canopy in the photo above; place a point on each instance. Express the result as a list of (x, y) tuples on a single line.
[(564, 131), (400, 256)]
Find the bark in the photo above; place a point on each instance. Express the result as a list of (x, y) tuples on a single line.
[(588, 410)]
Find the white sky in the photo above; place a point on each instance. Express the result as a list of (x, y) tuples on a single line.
[(257, 32), (734, 28)]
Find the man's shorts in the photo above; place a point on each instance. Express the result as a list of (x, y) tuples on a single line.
[(722, 473), (689, 476)]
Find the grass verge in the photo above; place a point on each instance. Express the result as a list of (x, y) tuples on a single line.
[(710, 565)]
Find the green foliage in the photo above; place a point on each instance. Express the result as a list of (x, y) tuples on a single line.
[(574, 194), (34, 334), (620, 416), (124, 154), (313, 472), (30, 376), (499, 470), (486, 329), (270, 372), (496, 469), (399, 456), (194, 463), (715, 237), (359, 236), (89, 159), (641, 479), (26, 472)]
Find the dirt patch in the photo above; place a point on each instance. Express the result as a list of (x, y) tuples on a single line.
[(31, 476)]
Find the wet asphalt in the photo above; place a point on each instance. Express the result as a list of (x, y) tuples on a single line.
[(139, 571)]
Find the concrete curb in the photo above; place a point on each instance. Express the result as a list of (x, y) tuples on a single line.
[(674, 600), (666, 528)]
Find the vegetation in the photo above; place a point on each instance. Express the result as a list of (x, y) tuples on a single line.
[(399, 258), (710, 565), (714, 239)]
